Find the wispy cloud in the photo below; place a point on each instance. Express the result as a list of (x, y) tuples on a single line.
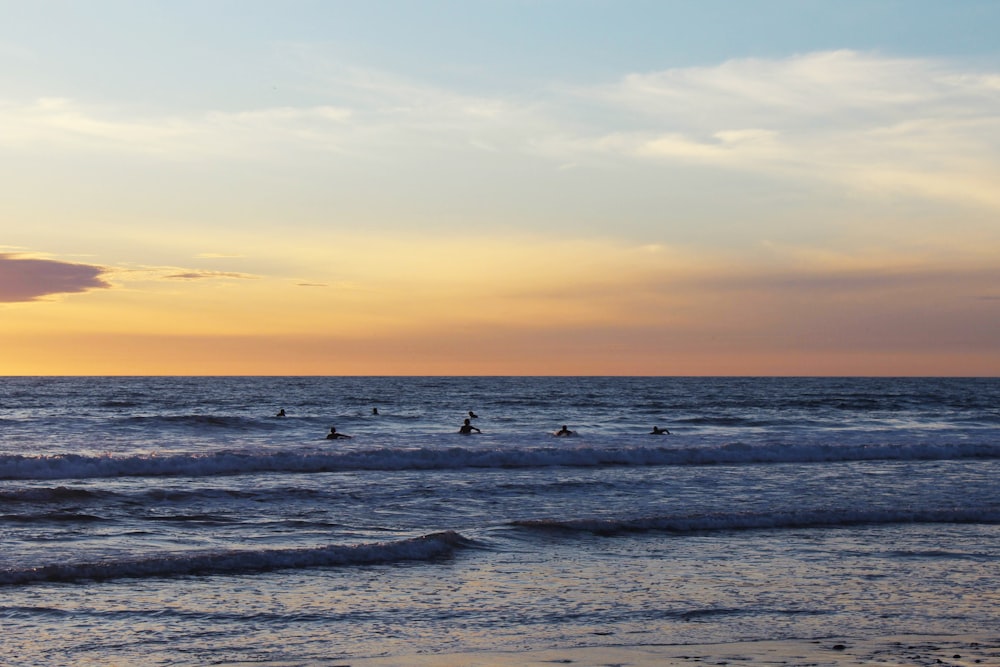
[(908, 126), (914, 127), (76, 125), (28, 279), (832, 89), (203, 275)]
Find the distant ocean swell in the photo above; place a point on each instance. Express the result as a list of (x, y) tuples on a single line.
[(424, 548), (72, 466), (59, 494), (766, 521)]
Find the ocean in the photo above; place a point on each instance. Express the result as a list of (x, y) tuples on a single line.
[(179, 521)]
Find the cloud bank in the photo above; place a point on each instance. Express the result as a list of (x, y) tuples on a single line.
[(24, 279), (914, 127)]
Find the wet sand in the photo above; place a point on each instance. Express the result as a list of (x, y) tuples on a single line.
[(909, 650)]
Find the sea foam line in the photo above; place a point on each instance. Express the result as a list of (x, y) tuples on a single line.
[(425, 547), (73, 466)]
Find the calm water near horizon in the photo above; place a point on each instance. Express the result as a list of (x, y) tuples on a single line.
[(178, 521)]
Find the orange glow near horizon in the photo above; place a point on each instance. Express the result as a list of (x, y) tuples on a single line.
[(611, 311), (459, 356), (525, 308)]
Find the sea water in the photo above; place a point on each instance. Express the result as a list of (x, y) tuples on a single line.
[(178, 521)]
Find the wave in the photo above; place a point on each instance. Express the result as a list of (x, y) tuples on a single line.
[(18, 498), (48, 495), (742, 422), (709, 523), (424, 548), (121, 403), (76, 466), (199, 421), (54, 517)]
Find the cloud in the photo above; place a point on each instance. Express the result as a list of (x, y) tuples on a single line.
[(202, 275), (842, 87), (71, 124), (26, 279), (355, 111), (152, 275), (855, 282), (865, 123), (901, 126)]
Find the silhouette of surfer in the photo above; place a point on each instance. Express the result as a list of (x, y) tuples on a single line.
[(333, 435), (374, 411), (473, 414), (467, 428), (563, 432), (281, 413), (659, 431)]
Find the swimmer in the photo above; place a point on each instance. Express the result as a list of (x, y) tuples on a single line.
[(659, 431), (473, 414), (563, 432), (374, 411), (467, 428), (281, 413), (333, 435)]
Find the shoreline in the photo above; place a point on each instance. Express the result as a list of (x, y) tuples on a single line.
[(960, 650)]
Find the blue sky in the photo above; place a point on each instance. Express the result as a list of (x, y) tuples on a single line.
[(185, 53)]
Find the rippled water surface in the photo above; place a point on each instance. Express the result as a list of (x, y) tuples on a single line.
[(178, 521)]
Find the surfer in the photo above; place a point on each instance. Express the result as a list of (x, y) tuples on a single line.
[(563, 432), (473, 414), (375, 411), (467, 428), (281, 413), (333, 435), (659, 431)]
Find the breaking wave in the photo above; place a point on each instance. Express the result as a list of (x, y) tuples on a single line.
[(423, 548), (74, 466)]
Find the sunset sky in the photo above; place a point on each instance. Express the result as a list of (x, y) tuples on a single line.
[(501, 187)]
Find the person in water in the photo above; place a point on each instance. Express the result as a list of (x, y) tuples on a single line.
[(659, 431), (374, 411), (473, 414), (333, 435), (281, 413), (466, 428), (563, 432)]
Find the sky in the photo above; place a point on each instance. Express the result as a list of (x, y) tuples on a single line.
[(500, 187)]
